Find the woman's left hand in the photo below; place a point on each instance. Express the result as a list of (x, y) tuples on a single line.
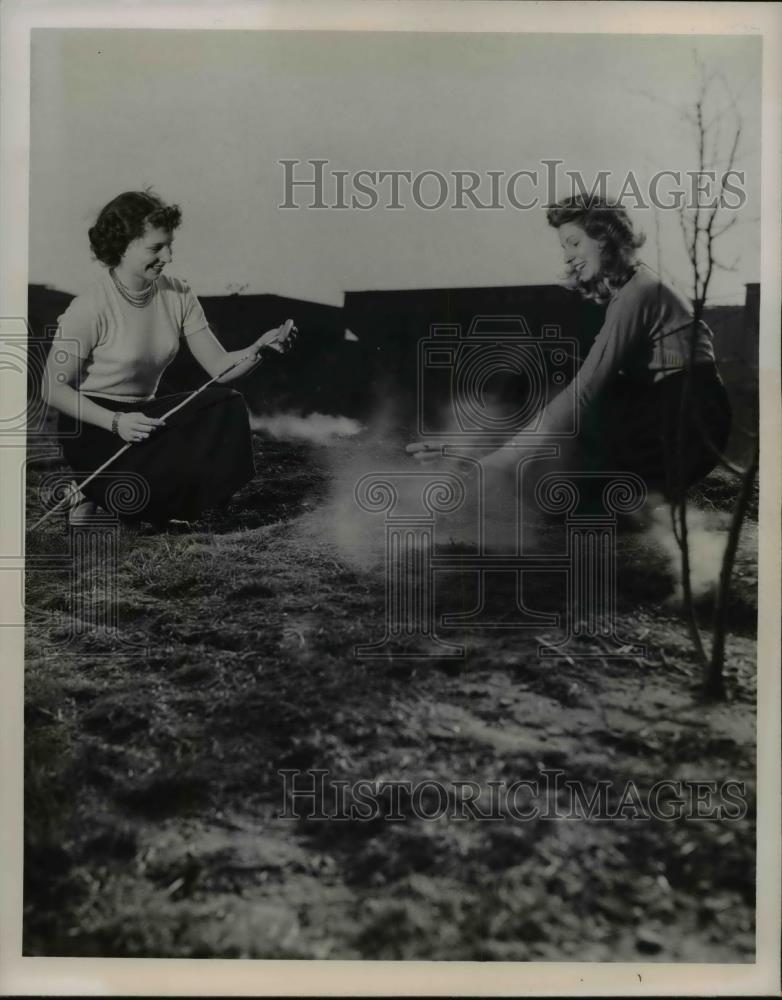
[(280, 339)]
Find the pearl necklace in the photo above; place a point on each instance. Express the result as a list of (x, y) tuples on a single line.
[(139, 300)]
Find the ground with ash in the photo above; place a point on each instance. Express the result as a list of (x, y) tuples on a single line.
[(152, 794)]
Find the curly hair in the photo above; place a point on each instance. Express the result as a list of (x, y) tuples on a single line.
[(125, 219), (609, 224)]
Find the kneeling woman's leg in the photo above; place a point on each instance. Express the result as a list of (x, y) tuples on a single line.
[(198, 460), (670, 433), (697, 420)]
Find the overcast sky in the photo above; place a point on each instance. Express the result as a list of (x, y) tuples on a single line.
[(205, 116)]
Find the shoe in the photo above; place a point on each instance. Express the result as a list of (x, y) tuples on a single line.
[(172, 526), (80, 509), (179, 527)]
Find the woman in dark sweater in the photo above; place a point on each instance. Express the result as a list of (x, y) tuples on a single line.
[(648, 398)]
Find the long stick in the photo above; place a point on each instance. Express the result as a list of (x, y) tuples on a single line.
[(125, 447)]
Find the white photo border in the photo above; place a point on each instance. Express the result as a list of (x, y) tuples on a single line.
[(53, 976)]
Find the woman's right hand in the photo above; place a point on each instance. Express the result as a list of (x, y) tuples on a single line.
[(430, 455), (136, 427), (426, 452), (494, 465)]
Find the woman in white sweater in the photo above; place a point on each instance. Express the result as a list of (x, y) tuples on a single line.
[(111, 348)]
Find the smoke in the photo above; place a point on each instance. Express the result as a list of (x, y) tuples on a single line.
[(505, 523), (359, 535), (706, 544), (317, 428)]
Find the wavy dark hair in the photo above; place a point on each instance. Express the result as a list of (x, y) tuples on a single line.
[(125, 219), (609, 224)]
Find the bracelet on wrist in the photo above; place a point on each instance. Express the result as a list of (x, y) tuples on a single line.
[(115, 423)]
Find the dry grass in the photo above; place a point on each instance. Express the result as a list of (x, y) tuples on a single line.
[(152, 786)]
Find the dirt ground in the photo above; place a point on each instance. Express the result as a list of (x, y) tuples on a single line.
[(152, 789)]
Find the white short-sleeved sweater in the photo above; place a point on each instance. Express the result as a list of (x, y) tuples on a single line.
[(126, 349)]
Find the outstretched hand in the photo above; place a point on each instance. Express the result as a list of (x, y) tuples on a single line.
[(494, 466), (430, 455)]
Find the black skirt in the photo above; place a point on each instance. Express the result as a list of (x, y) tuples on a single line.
[(198, 460), (642, 428)]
